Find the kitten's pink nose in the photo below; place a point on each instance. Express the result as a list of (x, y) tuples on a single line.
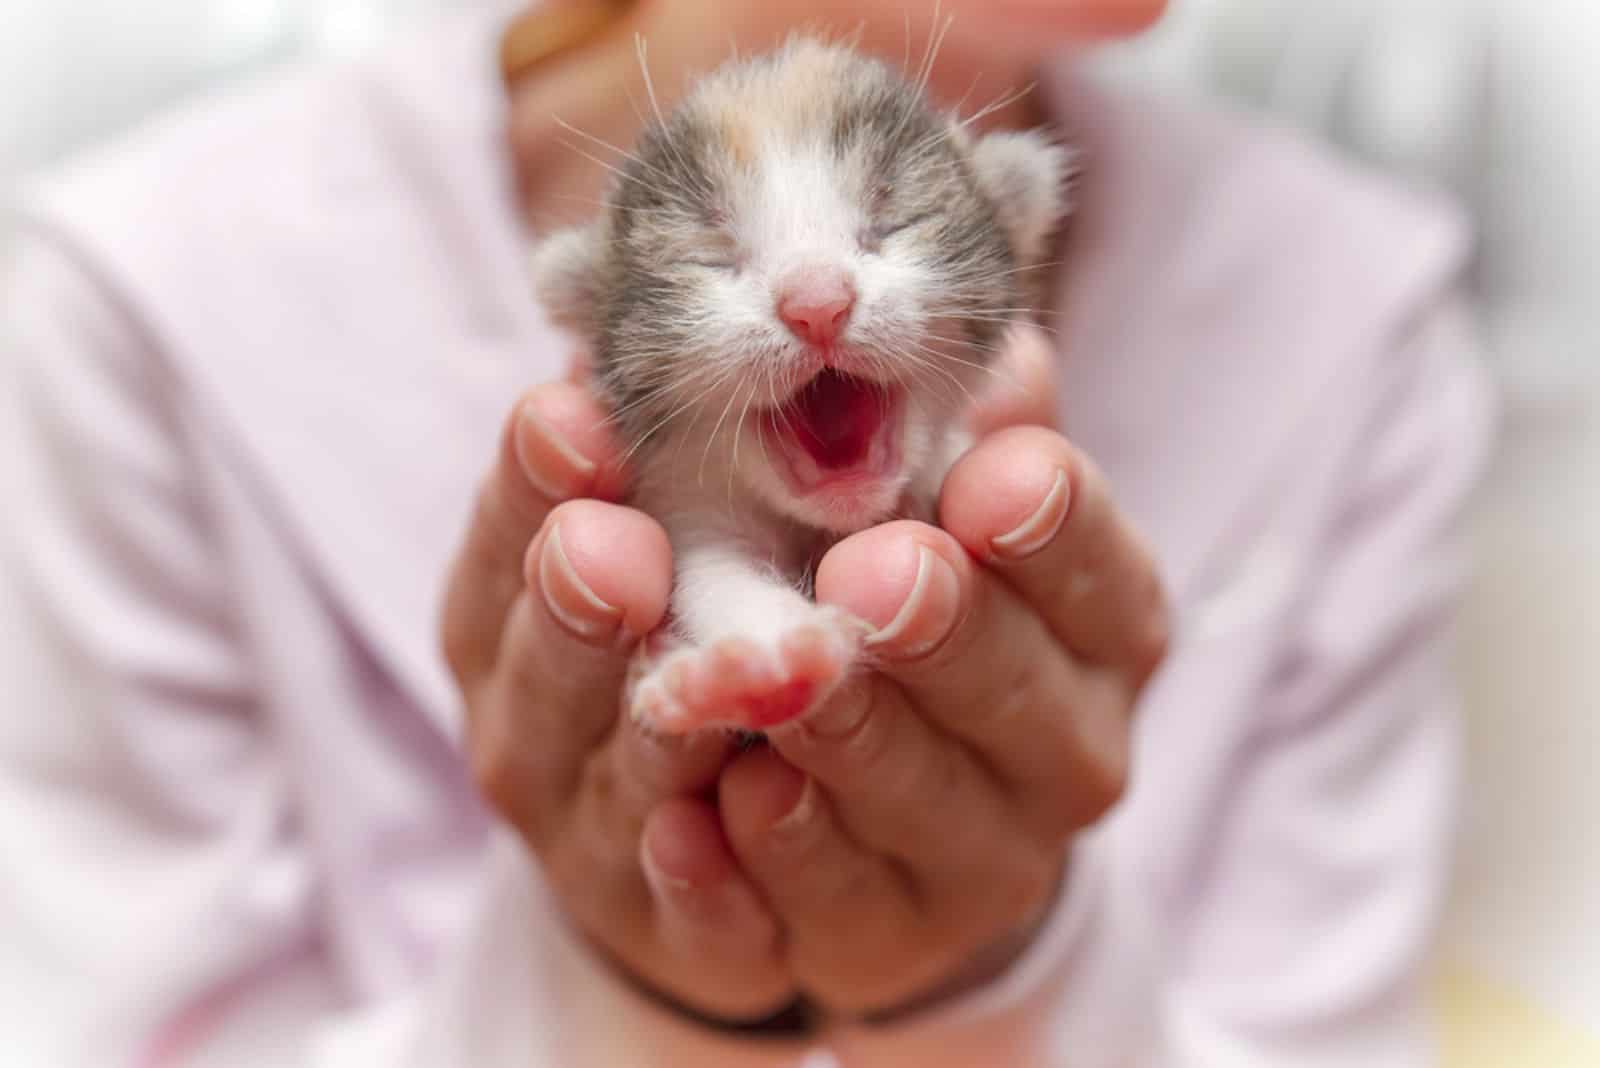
[(815, 304)]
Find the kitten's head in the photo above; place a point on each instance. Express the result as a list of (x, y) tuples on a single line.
[(806, 269)]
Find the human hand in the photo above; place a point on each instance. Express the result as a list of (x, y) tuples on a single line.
[(945, 791), (548, 596), (910, 834)]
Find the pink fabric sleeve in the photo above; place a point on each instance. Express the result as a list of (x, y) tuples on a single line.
[(145, 877), (1308, 942)]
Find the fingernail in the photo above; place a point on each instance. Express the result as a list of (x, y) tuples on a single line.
[(555, 468), (569, 598), (929, 611), (803, 809), (840, 716), (661, 881), (1040, 528)]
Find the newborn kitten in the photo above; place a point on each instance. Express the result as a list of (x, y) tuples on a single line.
[(797, 285)]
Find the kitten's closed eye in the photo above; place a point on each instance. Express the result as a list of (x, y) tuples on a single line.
[(714, 262), (716, 251), (875, 235)]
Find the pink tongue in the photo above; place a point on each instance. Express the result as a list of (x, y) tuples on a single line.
[(835, 417)]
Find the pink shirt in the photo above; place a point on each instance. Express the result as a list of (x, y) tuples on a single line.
[(254, 362)]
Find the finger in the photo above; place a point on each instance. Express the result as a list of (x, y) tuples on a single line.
[(979, 662), (633, 773), (680, 918), (707, 904), (710, 921), (1038, 513), (553, 447), (901, 787), (602, 573), (849, 915), (1024, 391), (597, 579)]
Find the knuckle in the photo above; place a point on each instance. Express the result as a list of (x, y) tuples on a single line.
[(1152, 639), (848, 737), (1086, 475), (1150, 648), (503, 772), (596, 899), (1103, 789), (1058, 813), (802, 849), (854, 882), (1028, 885), (867, 747), (941, 772), (1067, 802), (1102, 782), (1019, 698), (468, 641), (461, 649), (496, 772), (510, 496)]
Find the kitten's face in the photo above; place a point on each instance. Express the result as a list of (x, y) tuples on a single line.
[(806, 270)]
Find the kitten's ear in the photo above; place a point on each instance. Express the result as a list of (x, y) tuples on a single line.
[(1025, 176), (568, 277)]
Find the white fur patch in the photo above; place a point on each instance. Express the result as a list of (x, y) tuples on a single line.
[(567, 271), (1025, 174)]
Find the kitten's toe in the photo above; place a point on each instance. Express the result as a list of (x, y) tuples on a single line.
[(822, 648), (728, 670), (749, 685), (652, 701)]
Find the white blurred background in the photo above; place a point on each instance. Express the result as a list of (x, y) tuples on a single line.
[(1495, 100), (75, 70)]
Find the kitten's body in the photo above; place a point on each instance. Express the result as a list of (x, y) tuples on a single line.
[(796, 288)]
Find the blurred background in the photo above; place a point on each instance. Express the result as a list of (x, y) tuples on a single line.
[(1494, 100)]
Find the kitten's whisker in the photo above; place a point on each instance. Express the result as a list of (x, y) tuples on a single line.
[(935, 45), (618, 171), (641, 50), (663, 421), (1029, 267), (700, 478), (999, 104), (905, 62), (918, 372), (668, 378), (603, 143)]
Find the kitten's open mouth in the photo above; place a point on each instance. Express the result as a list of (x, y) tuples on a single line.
[(837, 426)]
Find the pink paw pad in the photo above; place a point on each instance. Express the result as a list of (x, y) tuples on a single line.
[(740, 683)]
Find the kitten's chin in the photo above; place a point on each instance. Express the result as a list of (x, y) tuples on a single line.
[(845, 505), (841, 506)]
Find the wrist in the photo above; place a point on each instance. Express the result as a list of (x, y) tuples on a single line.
[(796, 1019)]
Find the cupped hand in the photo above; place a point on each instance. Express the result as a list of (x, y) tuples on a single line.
[(910, 835), (901, 843), (549, 595)]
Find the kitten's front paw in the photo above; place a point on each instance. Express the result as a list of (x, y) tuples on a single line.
[(743, 683)]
